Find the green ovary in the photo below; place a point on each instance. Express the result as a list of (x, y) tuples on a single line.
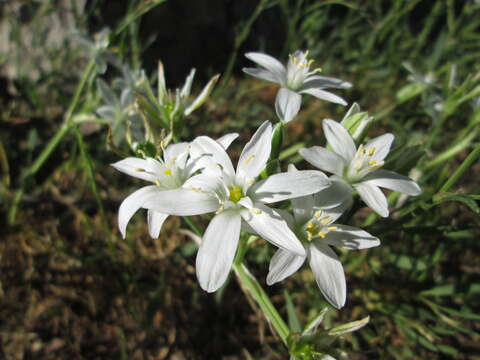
[(236, 193)]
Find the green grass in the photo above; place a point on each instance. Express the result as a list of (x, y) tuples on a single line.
[(70, 286)]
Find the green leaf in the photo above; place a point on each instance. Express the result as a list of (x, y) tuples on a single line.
[(465, 199), (293, 320), (442, 290), (410, 91), (312, 326)]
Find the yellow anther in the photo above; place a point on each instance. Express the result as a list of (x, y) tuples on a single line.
[(311, 225), (309, 236), (310, 62), (168, 172), (372, 162), (140, 170), (157, 182), (248, 159), (318, 214), (361, 149), (250, 181), (331, 228), (317, 70), (321, 234), (371, 151), (326, 220), (172, 160), (306, 53), (256, 211)]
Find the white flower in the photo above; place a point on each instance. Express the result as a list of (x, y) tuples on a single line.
[(168, 173), (315, 226), (235, 196), (295, 80), (359, 169)]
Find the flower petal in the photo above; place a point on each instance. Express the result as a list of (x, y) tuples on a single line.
[(270, 63), (287, 104), (173, 151), (324, 95), (226, 140), (339, 139), (268, 224), (182, 202), (302, 206), (351, 238), (323, 82), (145, 169), (337, 194), (217, 251), (255, 154), (382, 146), (324, 159), (373, 197), (211, 151), (155, 222), (132, 203), (262, 74), (393, 181), (329, 273), (288, 185), (282, 265)]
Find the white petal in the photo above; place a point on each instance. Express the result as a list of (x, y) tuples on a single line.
[(302, 206), (373, 197), (210, 150), (323, 82), (393, 181), (324, 95), (207, 183), (287, 104), (182, 202), (173, 151), (269, 63), (324, 159), (337, 194), (132, 203), (382, 146), (282, 265), (155, 222), (255, 153), (216, 254), (145, 169), (268, 224), (288, 185), (328, 273), (339, 139), (226, 140), (351, 238), (262, 74)]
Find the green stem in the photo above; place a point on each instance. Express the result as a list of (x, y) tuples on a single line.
[(53, 143), (251, 287), (471, 158)]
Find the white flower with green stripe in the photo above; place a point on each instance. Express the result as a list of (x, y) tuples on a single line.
[(296, 79), (235, 196), (314, 224), (358, 169)]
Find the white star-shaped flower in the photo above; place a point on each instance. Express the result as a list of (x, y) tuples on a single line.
[(358, 169), (314, 225), (296, 79)]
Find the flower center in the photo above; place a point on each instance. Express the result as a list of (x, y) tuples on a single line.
[(318, 226), (363, 164), (236, 193), (299, 69)]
